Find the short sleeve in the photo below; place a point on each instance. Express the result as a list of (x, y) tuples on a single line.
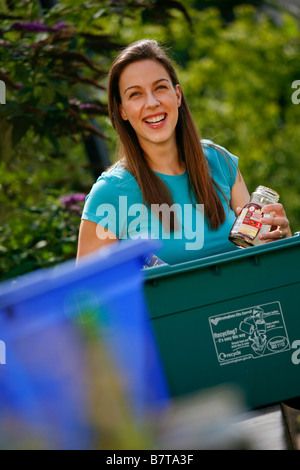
[(101, 205), (223, 164)]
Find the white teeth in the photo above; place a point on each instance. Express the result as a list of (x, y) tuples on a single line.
[(155, 119)]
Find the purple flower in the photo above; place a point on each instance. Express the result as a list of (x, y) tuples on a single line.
[(71, 201), (32, 27), (92, 107), (36, 27), (86, 106), (59, 25)]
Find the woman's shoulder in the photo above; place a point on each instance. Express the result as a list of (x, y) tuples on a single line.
[(215, 151), (117, 176), (221, 162)]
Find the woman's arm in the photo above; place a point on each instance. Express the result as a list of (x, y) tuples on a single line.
[(239, 194), (92, 237)]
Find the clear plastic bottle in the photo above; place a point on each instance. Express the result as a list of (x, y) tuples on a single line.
[(247, 226)]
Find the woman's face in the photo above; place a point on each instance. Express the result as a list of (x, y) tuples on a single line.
[(149, 102)]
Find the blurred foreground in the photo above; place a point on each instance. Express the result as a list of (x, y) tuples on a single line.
[(80, 367)]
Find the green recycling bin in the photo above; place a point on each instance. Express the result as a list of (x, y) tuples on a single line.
[(231, 319)]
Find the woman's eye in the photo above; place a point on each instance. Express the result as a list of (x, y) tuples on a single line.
[(132, 95), (161, 87)]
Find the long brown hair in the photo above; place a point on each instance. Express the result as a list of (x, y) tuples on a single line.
[(190, 151)]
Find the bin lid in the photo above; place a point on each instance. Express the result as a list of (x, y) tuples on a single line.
[(166, 270)]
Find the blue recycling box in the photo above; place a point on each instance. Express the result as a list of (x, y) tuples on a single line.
[(50, 366)]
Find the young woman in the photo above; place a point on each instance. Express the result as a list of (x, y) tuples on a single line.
[(167, 183)]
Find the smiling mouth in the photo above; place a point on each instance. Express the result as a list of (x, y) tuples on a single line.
[(155, 120)]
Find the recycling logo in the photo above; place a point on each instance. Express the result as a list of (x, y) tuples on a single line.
[(249, 333)]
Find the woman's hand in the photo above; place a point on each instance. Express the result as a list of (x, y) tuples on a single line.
[(280, 226), (279, 222)]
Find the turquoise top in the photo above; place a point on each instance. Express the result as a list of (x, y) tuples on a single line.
[(115, 201)]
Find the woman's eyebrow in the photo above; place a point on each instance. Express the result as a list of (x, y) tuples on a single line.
[(154, 83)]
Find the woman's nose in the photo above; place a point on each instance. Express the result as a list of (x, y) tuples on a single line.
[(152, 101)]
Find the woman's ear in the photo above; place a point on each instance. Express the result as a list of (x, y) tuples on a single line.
[(122, 112), (178, 94)]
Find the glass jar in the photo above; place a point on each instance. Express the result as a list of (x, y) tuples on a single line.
[(247, 227)]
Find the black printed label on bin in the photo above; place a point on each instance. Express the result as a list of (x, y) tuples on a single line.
[(249, 333)]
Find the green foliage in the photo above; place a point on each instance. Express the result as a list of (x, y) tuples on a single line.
[(40, 235), (45, 63)]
